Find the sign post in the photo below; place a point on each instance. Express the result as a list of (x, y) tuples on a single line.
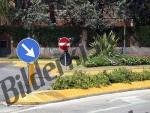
[(66, 60), (28, 50), (64, 45)]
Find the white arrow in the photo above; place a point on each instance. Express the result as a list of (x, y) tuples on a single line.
[(30, 52)]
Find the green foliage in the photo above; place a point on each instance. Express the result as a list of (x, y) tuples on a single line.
[(136, 77), (4, 7), (146, 75), (137, 9), (105, 44), (142, 35), (120, 75), (82, 80), (47, 36), (37, 12), (82, 13), (103, 60), (100, 60), (99, 80), (133, 60)]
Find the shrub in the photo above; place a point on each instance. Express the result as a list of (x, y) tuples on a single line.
[(99, 80), (82, 80), (105, 44), (135, 77), (102, 60), (132, 60), (146, 75), (120, 75), (96, 61)]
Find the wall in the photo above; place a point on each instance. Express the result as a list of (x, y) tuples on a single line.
[(56, 53)]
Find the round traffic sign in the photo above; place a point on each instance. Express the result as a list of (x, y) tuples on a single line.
[(66, 59), (64, 43), (28, 50)]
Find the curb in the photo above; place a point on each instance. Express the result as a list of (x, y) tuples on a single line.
[(63, 100), (115, 88)]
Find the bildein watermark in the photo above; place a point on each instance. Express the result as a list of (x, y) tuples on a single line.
[(20, 87)]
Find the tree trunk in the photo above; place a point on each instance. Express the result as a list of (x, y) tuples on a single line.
[(84, 40)]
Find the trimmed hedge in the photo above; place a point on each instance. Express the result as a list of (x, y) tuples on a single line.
[(103, 60), (84, 81)]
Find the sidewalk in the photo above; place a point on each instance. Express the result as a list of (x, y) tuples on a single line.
[(51, 96)]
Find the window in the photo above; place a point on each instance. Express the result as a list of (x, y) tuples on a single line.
[(3, 44)]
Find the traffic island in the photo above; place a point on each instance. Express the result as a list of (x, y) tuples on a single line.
[(51, 96)]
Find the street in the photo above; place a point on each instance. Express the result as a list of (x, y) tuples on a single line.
[(136, 101), (8, 70)]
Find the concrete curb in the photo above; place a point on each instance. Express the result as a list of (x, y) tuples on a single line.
[(39, 103), (100, 91)]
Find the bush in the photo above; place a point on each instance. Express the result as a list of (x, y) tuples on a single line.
[(82, 80), (102, 60), (105, 44), (146, 75), (100, 80), (131, 60), (135, 77), (120, 75)]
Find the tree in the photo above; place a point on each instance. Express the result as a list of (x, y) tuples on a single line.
[(83, 13), (5, 8), (137, 9), (34, 14)]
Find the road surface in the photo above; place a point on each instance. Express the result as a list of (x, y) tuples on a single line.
[(126, 102), (8, 70)]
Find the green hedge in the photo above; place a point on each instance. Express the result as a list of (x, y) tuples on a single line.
[(46, 36), (83, 80), (103, 60), (143, 35)]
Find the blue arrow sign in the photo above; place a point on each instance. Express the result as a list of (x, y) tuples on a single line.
[(28, 50)]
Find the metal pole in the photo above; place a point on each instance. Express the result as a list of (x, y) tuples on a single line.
[(66, 59), (28, 78), (124, 41)]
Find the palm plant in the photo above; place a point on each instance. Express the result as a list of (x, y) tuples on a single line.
[(104, 44)]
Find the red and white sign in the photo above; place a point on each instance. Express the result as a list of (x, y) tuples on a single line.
[(64, 43)]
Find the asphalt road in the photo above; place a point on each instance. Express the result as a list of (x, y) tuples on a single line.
[(133, 101), (8, 70), (126, 102)]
